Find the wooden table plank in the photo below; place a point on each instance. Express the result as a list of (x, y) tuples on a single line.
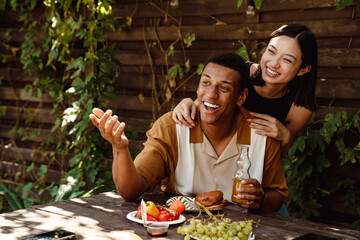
[(29, 222), (104, 217)]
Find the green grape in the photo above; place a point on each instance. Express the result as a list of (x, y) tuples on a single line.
[(220, 228), (200, 230), (187, 237), (216, 228), (180, 231), (187, 229), (223, 224), (246, 231), (238, 228), (192, 227)]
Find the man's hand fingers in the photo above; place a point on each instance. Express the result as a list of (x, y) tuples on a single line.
[(98, 112), (94, 120), (119, 131), (104, 120), (109, 129)]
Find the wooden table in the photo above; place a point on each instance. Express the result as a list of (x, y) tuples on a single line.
[(103, 216)]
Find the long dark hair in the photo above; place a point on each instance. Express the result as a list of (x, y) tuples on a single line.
[(302, 87)]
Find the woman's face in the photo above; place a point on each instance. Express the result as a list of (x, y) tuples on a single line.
[(281, 60)]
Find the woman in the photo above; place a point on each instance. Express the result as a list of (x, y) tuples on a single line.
[(282, 87), (281, 90)]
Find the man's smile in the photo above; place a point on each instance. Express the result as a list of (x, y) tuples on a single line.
[(215, 106)]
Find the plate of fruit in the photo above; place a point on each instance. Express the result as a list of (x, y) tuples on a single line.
[(157, 213)]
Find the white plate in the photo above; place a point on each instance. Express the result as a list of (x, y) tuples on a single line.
[(132, 217)]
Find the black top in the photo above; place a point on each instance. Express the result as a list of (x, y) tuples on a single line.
[(276, 107)]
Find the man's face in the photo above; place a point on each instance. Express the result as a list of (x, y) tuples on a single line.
[(218, 93)]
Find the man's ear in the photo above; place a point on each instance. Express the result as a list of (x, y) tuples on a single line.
[(242, 97), (304, 70)]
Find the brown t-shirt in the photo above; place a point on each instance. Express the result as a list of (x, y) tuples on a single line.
[(158, 159)]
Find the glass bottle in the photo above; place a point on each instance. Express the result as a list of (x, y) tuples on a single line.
[(242, 172)]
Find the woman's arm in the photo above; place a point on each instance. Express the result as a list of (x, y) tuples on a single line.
[(269, 126), (296, 120), (185, 112)]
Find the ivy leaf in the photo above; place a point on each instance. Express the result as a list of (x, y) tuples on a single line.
[(128, 20), (2, 110), (238, 4), (32, 4), (13, 198), (242, 52), (258, 3), (29, 202), (75, 159), (200, 68), (56, 124), (77, 63), (42, 170), (299, 144), (321, 162), (171, 51), (173, 72), (341, 4), (187, 65), (13, 4), (29, 168), (26, 189), (189, 38), (78, 84)]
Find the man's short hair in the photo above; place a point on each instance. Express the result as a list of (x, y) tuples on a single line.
[(232, 61)]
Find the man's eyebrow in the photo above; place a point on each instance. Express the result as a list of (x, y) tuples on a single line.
[(292, 56), (223, 81), (206, 75), (227, 82)]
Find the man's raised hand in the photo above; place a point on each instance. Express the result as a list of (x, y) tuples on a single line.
[(110, 128)]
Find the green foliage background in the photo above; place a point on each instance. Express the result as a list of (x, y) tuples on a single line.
[(77, 81)]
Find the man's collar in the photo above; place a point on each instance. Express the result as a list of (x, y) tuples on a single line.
[(243, 133)]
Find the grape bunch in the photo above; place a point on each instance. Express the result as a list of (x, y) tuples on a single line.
[(216, 228)]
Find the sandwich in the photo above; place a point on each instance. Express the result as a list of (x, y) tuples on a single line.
[(212, 200)]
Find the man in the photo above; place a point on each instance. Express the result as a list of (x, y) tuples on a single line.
[(203, 158)]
